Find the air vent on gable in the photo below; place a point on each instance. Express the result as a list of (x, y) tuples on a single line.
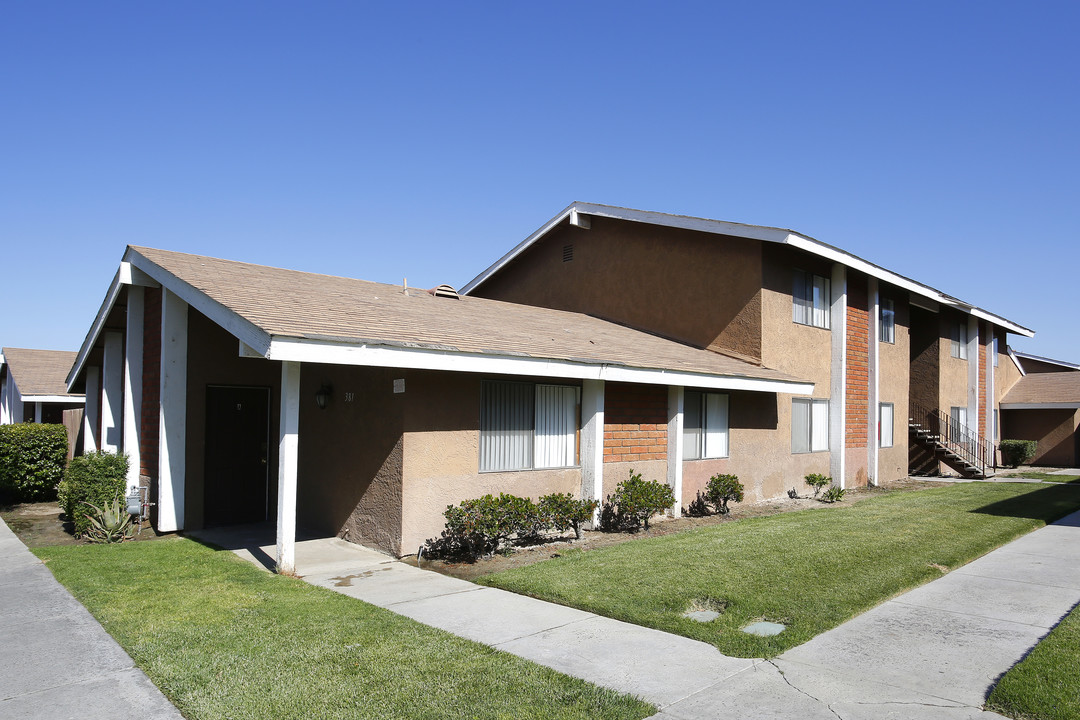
[(567, 253), (445, 291)]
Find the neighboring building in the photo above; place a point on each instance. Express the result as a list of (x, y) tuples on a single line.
[(33, 389), (374, 407), (880, 348), (1044, 405)]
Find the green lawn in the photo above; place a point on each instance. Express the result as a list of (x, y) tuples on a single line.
[(1046, 477), (1046, 684), (223, 639), (811, 570)]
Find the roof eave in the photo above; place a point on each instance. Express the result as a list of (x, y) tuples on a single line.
[(375, 355)]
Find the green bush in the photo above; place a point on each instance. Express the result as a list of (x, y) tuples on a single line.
[(32, 457), (721, 490), (563, 511), (817, 481), (833, 494), (479, 527), (1017, 452), (109, 524), (634, 502), (97, 478)]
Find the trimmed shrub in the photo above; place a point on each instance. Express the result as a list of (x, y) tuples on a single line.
[(698, 507), (1017, 452), (563, 511), (32, 457), (721, 490), (634, 502), (477, 527), (95, 478), (817, 481)]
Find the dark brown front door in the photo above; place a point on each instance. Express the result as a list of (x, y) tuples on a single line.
[(237, 455)]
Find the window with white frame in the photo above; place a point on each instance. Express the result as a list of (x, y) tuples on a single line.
[(887, 323), (885, 425), (811, 297), (705, 425), (528, 425), (960, 339), (994, 348), (809, 425)]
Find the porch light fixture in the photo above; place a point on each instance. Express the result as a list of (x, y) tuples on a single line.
[(322, 397)]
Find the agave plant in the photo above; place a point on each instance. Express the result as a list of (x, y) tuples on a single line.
[(111, 524)]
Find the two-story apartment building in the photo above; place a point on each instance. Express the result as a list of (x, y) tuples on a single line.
[(609, 340), (880, 348)]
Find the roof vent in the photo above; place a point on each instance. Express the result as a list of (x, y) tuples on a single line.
[(445, 291)]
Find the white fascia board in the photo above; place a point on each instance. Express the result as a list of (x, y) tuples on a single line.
[(1026, 356), (71, 399), (298, 350), (131, 275), (1016, 361), (241, 328), (95, 329), (518, 249), (1040, 406)]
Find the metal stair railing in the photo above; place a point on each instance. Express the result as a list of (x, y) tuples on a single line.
[(954, 437)]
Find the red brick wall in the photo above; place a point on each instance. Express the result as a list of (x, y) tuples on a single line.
[(858, 373), (151, 383), (984, 340), (635, 422)]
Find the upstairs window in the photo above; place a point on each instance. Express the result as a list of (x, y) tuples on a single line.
[(887, 321), (811, 298), (809, 425), (994, 349), (526, 425), (960, 340), (705, 425), (885, 425)]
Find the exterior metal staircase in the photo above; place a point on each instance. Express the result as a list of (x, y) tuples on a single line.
[(955, 444)]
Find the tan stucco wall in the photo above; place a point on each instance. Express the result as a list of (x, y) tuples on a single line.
[(894, 373), (953, 380), (699, 288), (1055, 431), (442, 456)]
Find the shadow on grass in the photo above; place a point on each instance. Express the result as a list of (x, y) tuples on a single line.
[(1049, 504)]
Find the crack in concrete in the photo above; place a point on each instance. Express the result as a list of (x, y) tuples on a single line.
[(800, 690)]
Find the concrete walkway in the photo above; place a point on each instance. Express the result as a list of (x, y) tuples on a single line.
[(934, 652), (56, 661)]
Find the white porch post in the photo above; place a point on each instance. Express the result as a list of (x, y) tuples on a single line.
[(92, 408), (676, 397), (112, 392), (287, 456), (874, 398), (172, 435), (37, 411), (991, 397), (592, 443), (133, 373), (838, 378)]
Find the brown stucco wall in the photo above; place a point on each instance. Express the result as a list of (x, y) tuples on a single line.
[(441, 455), (894, 372), (953, 387), (213, 360), (1054, 429), (351, 455), (698, 288), (925, 354)]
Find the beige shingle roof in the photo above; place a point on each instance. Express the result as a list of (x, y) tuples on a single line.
[(293, 304), (40, 372), (1039, 388)]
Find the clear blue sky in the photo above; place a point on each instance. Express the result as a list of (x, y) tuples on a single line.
[(423, 140)]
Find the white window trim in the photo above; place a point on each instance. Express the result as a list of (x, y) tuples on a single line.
[(959, 340), (538, 442), (699, 446), (812, 429), (887, 327), (882, 441), (813, 307)]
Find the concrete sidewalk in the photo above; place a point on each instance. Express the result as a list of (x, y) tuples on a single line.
[(56, 661), (934, 652)]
